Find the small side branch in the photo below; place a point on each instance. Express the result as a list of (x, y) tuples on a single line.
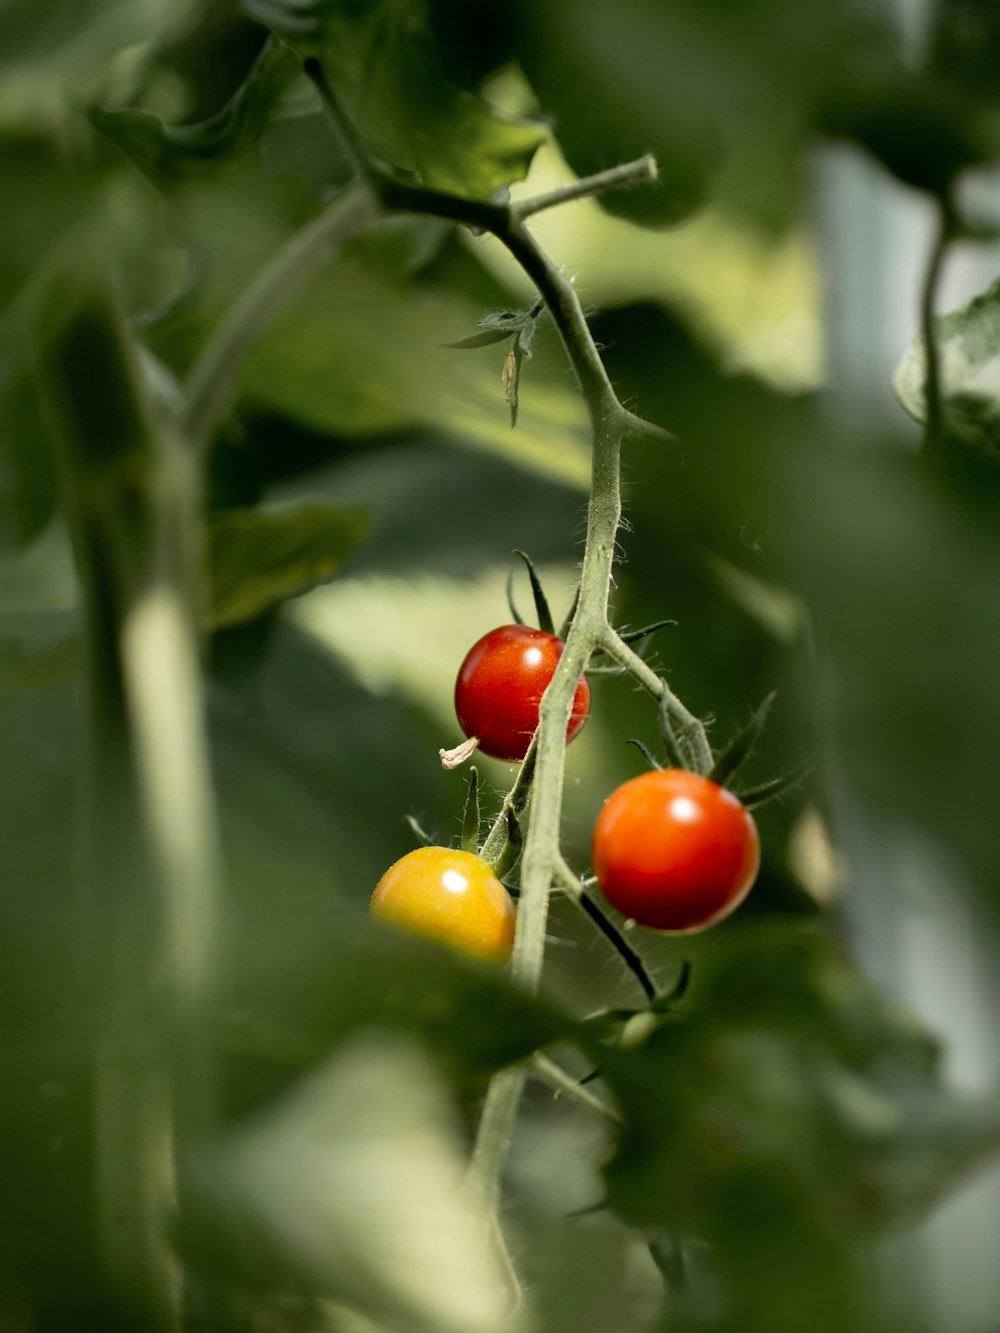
[(577, 893), (615, 178), (619, 651), (565, 1085)]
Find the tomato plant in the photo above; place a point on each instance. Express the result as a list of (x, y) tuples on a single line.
[(303, 334), (449, 896), (675, 851), (500, 685)]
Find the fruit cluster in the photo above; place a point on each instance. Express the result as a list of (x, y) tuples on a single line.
[(673, 849)]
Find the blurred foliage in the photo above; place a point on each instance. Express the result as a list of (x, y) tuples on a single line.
[(968, 341), (782, 1116)]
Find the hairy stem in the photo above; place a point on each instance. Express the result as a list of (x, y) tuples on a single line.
[(589, 629), (109, 469), (565, 1085), (615, 178), (619, 651)]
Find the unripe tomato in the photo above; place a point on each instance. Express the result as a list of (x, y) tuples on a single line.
[(449, 896), (500, 685), (675, 851)]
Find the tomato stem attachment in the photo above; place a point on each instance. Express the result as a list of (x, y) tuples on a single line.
[(458, 754)]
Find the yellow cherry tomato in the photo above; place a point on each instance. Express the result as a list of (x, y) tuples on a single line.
[(449, 896)]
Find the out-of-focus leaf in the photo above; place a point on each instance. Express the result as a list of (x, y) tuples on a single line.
[(49, 181), (697, 86), (355, 357), (37, 651), (969, 343), (65, 41), (794, 1102), (383, 62), (27, 468), (258, 559), (164, 151), (327, 971), (353, 1188), (600, 130), (925, 129)]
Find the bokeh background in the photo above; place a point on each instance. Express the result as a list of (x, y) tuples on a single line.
[(812, 1148)]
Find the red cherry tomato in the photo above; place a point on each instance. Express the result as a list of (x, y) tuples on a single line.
[(675, 851), (449, 896), (500, 685)]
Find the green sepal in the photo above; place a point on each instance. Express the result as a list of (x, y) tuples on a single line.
[(634, 635), (515, 614), (541, 602), (511, 852), (676, 743), (485, 338), (776, 787), (470, 818), (567, 622), (668, 999), (741, 746), (645, 751)]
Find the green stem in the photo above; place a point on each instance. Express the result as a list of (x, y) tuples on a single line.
[(618, 650), (933, 398), (108, 461), (565, 1085), (577, 893), (590, 627), (643, 170), (212, 382), (150, 857)]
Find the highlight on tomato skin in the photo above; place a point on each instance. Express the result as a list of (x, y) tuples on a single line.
[(451, 897), (674, 851), (500, 686)]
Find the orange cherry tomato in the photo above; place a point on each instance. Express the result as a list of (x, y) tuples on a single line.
[(449, 896), (674, 851)]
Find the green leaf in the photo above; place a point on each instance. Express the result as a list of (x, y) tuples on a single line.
[(50, 181), (27, 466), (353, 1185), (794, 1104), (37, 651), (258, 559), (484, 339), (164, 151), (969, 342), (354, 357), (307, 968), (382, 61), (66, 41)]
